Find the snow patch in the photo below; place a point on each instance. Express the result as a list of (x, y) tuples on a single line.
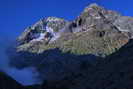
[(40, 38), (123, 30), (98, 17), (52, 19), (50, 30), (57, 35), (42, 35)]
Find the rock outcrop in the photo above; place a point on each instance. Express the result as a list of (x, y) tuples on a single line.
[(44, 30)]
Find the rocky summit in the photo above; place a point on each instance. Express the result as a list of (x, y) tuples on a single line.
[(86, 53), (96, 31)]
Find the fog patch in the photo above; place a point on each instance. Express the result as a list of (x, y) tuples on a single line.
[(27, 76)]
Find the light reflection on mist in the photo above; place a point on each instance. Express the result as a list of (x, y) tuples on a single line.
[(25, 76)]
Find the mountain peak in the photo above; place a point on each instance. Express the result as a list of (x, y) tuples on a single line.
[(99, 32), (53, 19), (97, 24), (92, 6), (45, 28)]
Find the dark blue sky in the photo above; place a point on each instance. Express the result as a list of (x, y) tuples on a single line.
[(15, 15)]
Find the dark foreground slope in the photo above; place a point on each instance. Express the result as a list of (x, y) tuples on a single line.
[(115, 72), (7, 82)]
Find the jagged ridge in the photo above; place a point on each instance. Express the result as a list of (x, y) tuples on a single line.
[(96, 28)]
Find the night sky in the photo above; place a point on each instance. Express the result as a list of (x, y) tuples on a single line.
[(16, 15)]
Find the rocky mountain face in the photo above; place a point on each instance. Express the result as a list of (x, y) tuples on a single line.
[(96, 31), (47, 28), (94, 51)]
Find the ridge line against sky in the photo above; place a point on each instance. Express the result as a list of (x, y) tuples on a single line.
[(16, 15)]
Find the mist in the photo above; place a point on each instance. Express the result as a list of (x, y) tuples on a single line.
[(26, 76)]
